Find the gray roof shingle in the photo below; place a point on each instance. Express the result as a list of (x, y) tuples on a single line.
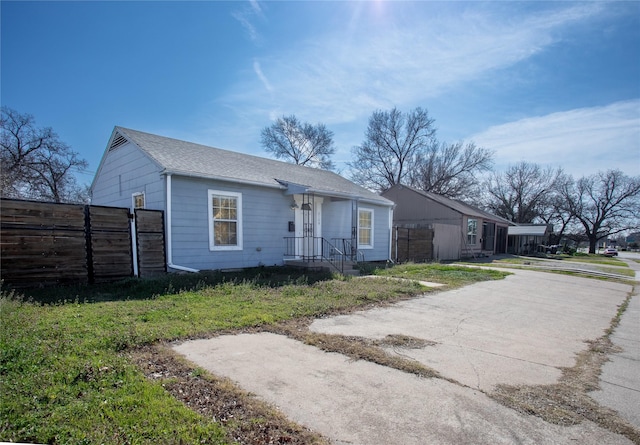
[(191, 159)]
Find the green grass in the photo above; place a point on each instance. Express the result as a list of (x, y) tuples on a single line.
[(621, 268), (584, 258), (451, 275), (596, 263), (64, 373), (594, 259)]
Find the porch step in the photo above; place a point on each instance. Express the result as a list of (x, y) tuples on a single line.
[(323, 265), (349, 269)]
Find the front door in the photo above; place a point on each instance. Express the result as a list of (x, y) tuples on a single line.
[(308, 223), (501, 240)]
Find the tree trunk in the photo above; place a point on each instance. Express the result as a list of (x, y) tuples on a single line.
[(593, 241)]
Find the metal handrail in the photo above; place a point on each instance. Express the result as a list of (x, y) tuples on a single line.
[(350, 249), (319, 249)]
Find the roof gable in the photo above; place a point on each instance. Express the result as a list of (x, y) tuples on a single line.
[(455, 205), (179, 157)]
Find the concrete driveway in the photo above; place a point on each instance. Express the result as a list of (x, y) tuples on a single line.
[(520, 330)]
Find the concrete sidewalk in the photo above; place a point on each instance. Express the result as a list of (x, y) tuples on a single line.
[(517, 330), (620, 379)]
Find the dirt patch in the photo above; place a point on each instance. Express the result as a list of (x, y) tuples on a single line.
[(359, 348), (246, 419), (404, 341)]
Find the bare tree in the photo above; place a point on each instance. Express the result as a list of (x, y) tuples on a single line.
[(35, 163), (605, 204), (557, 214), (523, 192), (393, 143), (299, 142), (450, 169)]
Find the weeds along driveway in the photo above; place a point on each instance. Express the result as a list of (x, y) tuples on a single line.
[(520, 330), (517, 331)]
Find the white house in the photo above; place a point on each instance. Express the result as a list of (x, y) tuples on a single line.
[(230, 210)]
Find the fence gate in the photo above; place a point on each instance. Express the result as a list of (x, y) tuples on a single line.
[(151, 255), (412, 244)]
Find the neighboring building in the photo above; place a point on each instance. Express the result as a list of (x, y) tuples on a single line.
[(632, 241), (228, 210), (459, 230), (526, 239)]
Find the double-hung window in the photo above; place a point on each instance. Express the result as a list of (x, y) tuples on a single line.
[(472, 231), (365, 228), (225, 220)]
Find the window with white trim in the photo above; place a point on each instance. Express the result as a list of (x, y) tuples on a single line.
[(137, 200), (225, 220), (472, 231), (365, 228)]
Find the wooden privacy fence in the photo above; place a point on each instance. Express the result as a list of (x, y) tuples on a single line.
[(412, 244), (47, 243)]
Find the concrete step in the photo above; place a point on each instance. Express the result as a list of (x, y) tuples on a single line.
[(319, 265)]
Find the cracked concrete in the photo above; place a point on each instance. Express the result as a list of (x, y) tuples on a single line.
[(520, 330)]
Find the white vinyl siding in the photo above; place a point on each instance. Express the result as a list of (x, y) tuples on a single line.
[(225, 220), (365, 228)]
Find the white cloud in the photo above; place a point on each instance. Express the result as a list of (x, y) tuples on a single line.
[(348, 72), (582, 141), (245, 17), (340, 77), (255, 5), (258, 70)]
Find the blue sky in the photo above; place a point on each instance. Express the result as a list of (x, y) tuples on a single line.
[(555, 83)]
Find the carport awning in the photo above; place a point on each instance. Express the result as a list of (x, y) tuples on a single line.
[(532, 230)]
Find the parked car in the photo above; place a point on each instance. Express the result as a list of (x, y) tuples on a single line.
[(610, 251), (553, 249)]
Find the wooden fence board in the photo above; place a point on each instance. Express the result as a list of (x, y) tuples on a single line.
[(109, 218), (47, 243), (150, 221), (42, 214)]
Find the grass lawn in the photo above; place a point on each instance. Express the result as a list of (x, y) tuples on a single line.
[(590, 258), (591, 261), (66, 375), (582, 258)]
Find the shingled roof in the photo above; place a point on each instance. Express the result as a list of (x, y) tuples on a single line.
[(178, 157), (459, 206)]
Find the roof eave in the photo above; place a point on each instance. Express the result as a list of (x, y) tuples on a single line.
[(354, 197), (277, 185), (189, 174)]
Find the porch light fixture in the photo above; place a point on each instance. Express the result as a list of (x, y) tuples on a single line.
[(293, 205), (306, 206)]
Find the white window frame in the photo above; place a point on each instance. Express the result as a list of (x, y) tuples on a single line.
[(238, 220), (360, 244), (472, 235), (133, 200)]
